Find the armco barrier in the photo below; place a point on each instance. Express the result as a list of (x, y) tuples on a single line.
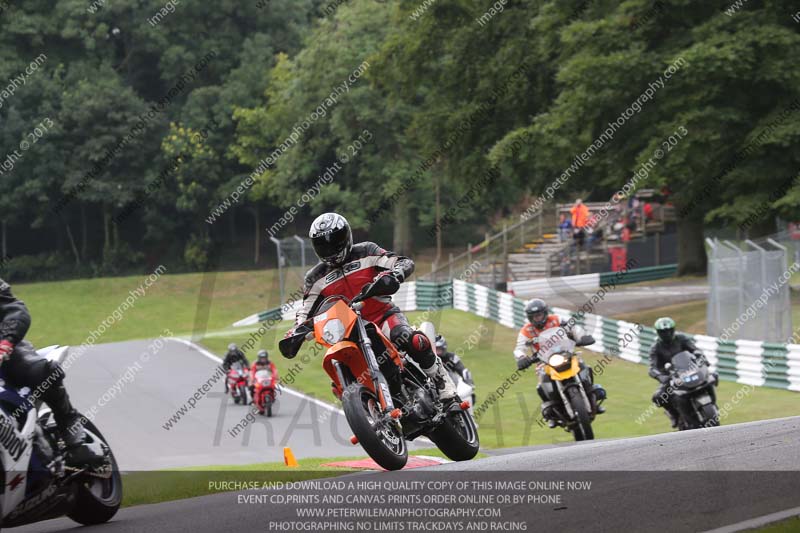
[(638, 275), (749, 362), (588, 282)]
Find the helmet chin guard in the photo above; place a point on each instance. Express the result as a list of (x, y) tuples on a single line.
[(331, 238)]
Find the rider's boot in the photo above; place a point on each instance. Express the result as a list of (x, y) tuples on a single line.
[(70, 427), (549, 414), (599, 395), (444, 385), (672, 413)]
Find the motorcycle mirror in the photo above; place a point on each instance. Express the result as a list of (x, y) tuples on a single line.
[(586, 340)]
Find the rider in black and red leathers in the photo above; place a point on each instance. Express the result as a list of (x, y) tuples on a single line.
[(344, 269)]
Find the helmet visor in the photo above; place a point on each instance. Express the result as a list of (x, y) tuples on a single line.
[(330, 246), (666, 334), (538, 317)]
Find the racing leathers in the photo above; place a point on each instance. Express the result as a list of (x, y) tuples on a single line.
[(26, 368), (361, 266), (236, 356), (269, 365)]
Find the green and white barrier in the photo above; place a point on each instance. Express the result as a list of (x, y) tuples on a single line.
[(750, 362), (754, 363), (412, 296), (588, 282)]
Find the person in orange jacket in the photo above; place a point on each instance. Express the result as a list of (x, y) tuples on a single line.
[(580, 218)]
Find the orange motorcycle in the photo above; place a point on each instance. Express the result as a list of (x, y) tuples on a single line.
[(386, 397)]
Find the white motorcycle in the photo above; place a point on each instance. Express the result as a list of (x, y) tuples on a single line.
[(37, 484)]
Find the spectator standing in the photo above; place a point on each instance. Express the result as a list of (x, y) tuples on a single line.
[(580, 217), (564, 227)]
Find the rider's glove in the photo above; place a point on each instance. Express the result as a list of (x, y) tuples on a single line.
[(6, 347), (397, 275), (663, 378), (524, 362)]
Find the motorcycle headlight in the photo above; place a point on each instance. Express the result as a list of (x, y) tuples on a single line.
[(557, 360), (333, 331)]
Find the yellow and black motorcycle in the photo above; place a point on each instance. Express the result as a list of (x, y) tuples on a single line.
[(570, 398)]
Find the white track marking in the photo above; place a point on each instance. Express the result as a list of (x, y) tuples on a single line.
[(293, 392), (284, 388), (758, 521)]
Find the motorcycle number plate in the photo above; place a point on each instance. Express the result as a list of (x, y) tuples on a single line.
[(705, 399)]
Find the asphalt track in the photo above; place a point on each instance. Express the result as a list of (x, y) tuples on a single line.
[(629, 299), (728, 477), (151, 389)]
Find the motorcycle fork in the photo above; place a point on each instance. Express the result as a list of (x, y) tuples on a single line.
[(565, 400), (381, 386)]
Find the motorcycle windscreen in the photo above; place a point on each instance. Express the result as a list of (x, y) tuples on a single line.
[(553, 341), (689, 373), (264, 376)]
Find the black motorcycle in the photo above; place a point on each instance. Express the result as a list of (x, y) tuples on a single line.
[(692, 386)]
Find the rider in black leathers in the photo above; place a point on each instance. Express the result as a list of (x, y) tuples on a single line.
[(452, 361), (26, 368), (669, 344), (234, 355)]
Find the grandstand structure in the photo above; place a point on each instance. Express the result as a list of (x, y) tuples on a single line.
[(533, 247)]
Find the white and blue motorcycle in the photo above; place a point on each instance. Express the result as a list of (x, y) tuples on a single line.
[(36, 483)]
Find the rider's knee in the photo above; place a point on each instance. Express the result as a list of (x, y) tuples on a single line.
[(415, 343)]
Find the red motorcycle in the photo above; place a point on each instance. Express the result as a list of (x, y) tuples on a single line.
[(237, 383), (264, 391)]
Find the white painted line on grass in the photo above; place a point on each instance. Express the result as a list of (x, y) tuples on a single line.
[(758, 521)]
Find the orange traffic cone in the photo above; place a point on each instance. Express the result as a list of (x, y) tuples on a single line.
[(288, 458)]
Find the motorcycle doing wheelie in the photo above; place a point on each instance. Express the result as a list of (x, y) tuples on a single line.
[(692, 388), (264, 391), (387, 400), (237, 382), (571, 397), (36, 483)]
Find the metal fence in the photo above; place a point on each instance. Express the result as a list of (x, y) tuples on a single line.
[(295, 257), (749, 291)]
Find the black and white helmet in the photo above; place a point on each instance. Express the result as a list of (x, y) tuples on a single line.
[(331, 238), (536, 311), (441, 345)]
